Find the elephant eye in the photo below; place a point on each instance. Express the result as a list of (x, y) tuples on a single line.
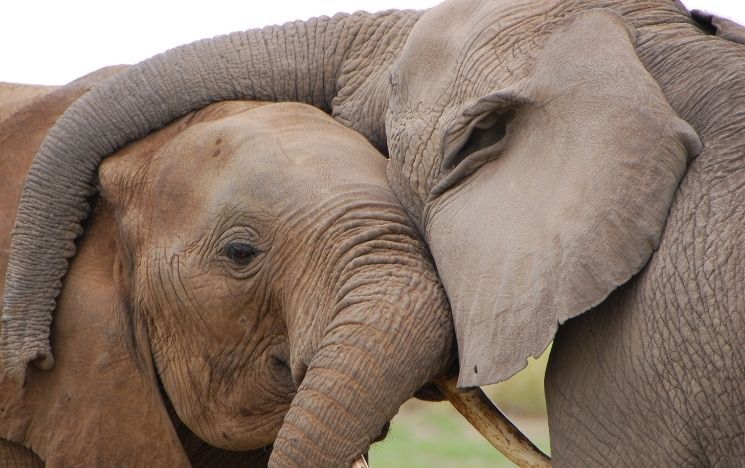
[(240, 253)]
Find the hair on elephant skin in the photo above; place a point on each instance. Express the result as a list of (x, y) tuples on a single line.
[(245, 271), (548, 151)]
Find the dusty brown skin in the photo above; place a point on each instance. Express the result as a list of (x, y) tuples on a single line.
[(229, 261), (103, 388), (292, 272), (541, 186), (14, 96)]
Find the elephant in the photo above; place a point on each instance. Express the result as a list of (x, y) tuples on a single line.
[(59, 398), (227, 271), (14, 96), (557, 156)]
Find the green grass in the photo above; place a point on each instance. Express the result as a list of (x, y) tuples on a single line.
[(435, 435), (523, 393)]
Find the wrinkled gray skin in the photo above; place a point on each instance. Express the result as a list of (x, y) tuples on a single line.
[(539, 147), (654, 376)]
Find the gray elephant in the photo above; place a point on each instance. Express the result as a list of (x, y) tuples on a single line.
[(229, 263), (545, 150)]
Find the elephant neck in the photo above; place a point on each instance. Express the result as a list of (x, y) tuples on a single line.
[(362, 100)]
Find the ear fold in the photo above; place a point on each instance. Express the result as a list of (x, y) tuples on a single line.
[(572, 206), (722, 27)]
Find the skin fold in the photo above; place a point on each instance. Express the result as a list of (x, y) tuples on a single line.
[(546, 150), (191, 325)]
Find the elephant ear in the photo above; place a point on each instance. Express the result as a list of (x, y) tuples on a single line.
[(570, 206), (722, 27)]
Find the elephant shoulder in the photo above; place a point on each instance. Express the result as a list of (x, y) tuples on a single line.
[(17, 96)]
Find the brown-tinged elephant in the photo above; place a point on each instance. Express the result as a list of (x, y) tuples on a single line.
[(14, 96), (246, 267), (546, 151)]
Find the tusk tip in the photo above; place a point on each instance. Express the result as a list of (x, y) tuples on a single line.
[(360, 462)]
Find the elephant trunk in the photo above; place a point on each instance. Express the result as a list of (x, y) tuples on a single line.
[(300, 61), (377, 351)]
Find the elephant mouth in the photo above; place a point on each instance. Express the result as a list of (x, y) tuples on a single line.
[(430, 392)]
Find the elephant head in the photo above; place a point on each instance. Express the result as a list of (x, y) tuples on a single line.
[(266, 275), (269, 279), (531, 143), (541, 180)]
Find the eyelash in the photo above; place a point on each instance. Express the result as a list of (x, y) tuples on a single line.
[(240, 253)]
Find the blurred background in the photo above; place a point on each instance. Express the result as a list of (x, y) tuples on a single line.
[(435, 435)]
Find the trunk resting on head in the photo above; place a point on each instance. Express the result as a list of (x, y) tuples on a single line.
[(300, 61)]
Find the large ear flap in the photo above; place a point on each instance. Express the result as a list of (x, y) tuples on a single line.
[(567, 205)]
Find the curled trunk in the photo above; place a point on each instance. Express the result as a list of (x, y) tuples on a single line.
[(300, 61), (380, 349)]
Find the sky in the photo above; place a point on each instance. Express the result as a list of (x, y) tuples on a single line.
[(56, 41)]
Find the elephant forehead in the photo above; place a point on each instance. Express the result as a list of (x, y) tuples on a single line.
[(282, 142), (294, 152), (460, 37), (275, 157), (458, 23)]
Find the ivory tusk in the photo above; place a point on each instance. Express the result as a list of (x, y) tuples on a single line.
[(484, 415), (359, 462)]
